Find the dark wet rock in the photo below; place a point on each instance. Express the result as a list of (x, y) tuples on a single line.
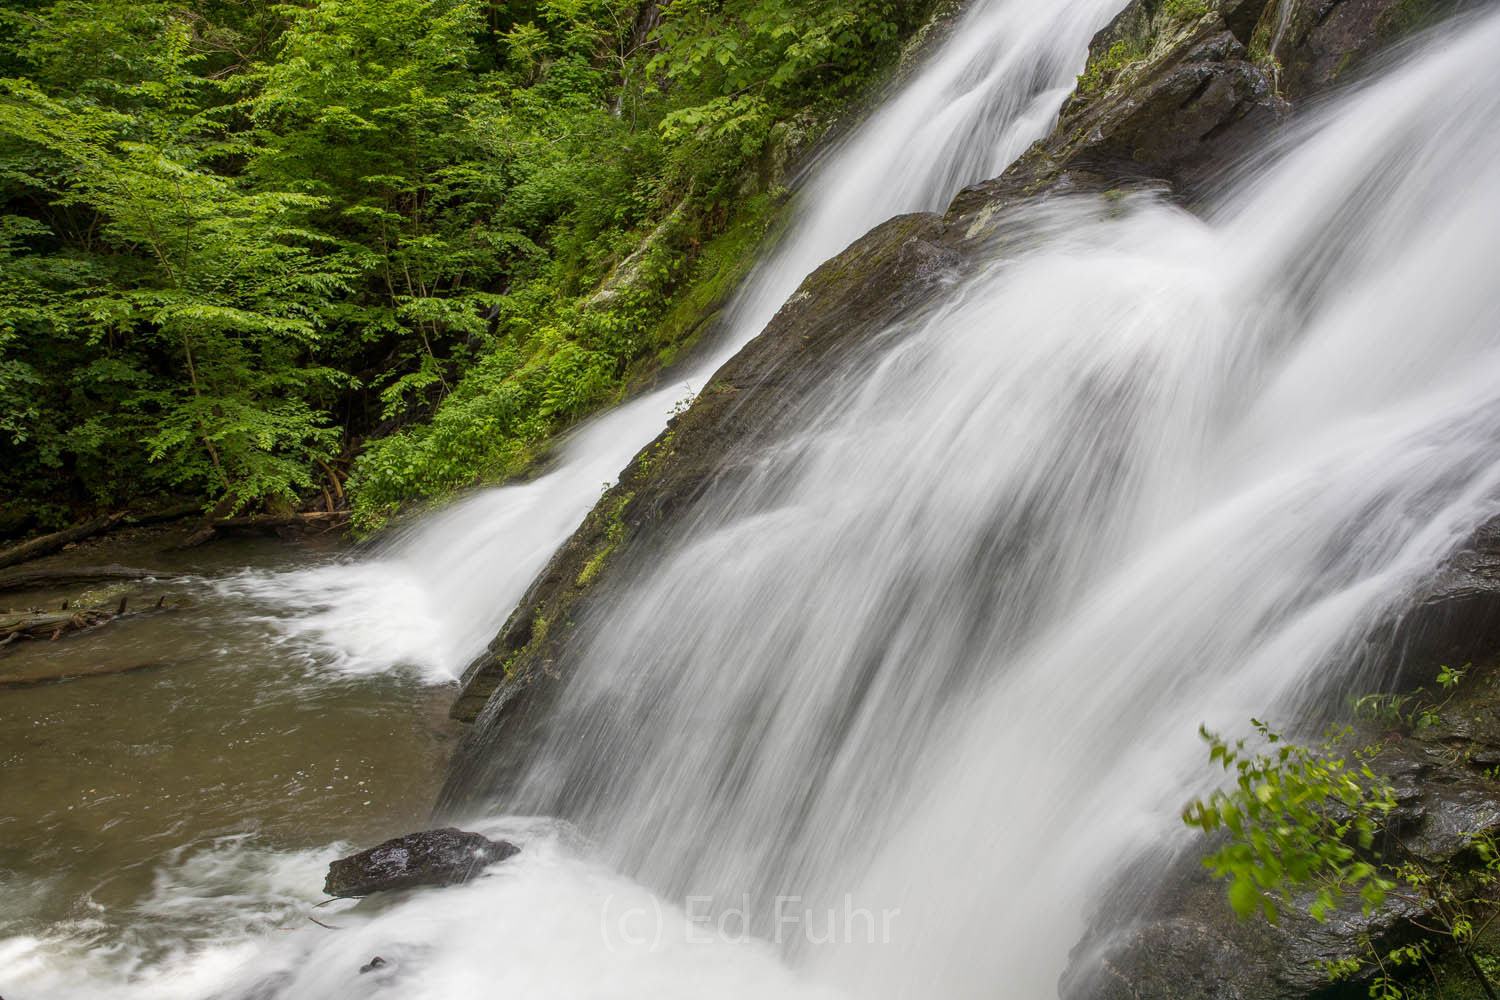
[(1317, 43), (1175, 93), (1452, 619), (375, 963), (435, 857), (1166, 930), (843, 305)]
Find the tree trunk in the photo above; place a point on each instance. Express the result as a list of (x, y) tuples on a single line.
[(29, 580)]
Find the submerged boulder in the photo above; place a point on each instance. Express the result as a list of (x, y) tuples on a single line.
[(435, 857)]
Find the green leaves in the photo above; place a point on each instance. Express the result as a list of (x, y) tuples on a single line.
[(1296, 818), (1299, 825), (178, 327), (238, 238)]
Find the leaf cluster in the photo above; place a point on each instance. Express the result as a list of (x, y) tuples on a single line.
[(1296, 817)]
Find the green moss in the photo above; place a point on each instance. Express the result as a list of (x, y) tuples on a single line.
[(1448, 977), (1101, 72), (1407, 17), (613, 516), (722, 263), (1142, 36), (1183, 10), (539, 627)]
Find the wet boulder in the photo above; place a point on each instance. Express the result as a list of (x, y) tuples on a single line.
[(435, 857)]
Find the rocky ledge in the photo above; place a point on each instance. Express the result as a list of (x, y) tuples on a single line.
[(1174, 91)]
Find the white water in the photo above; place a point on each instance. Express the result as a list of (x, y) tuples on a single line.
[(940, 666), (436, 595), (948, 651)]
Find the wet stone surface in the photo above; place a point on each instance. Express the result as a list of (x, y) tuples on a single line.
[(432, 858)]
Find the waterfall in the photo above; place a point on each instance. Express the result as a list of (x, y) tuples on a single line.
[(882, 719), (945, 652), (435, 594)]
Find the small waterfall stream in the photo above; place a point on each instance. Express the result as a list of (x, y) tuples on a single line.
[(884, 719), (440, 591)]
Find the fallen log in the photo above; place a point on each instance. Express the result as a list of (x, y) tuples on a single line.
[(32, 579), (164, 516), (265, 522), (47, 544), (278, 520), (50, 624), (37, 678)]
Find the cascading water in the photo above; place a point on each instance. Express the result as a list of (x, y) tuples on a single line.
[(438, 592), (946, 652), (899, 702)]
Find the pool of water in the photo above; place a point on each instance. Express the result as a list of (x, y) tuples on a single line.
[(228, 740)]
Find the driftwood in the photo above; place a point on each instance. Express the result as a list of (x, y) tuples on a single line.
[(31, 579), (49, 624), (40, 677), (46, 544), (165, 515)]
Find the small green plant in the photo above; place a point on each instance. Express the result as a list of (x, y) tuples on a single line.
[(1184, 9), (1300, 826), (1416, 710), (1297, 817), (1101, 72)]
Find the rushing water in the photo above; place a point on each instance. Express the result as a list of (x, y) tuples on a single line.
[(947, 651), (889, 711)]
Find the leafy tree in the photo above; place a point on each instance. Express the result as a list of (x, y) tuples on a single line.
[(242, 238)]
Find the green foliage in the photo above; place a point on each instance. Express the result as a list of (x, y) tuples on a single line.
[(1170, 20), (1300, 825), (1297, 817), (1183, 10), (1412, 711), (171, 348), (1101, 72), (239, 240)]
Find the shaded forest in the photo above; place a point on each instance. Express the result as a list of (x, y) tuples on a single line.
[(253, 251)]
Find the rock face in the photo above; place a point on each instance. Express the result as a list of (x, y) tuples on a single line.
[(1169, 933), (843, 304), (1174, 90), (436, 857), (1453, 619)]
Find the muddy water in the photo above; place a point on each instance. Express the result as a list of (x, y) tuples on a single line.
[(229, 733)]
